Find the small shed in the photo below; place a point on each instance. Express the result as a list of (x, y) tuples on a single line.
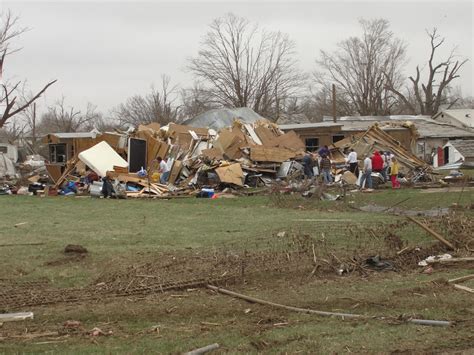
[(65, 146), (455, 152)]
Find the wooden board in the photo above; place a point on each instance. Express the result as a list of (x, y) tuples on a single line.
[(155, 148), (267, 136), (277, 155), (112, 139), (224, 140), (175, 170), (213, 153), (231, 174), (54, 171), (177, 128)]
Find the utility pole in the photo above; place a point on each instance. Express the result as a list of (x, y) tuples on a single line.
[(334, 114), (33, 129)]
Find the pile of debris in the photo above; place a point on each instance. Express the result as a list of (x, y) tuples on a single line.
[(199, 160)]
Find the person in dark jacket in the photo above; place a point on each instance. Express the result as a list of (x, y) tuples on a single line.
[(308, 164), (324, 151), (325, 165)]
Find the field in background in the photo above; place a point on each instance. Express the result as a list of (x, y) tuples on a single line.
[(286, 250)]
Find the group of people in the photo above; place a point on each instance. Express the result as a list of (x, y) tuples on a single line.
[(323, 164), (384, 163)]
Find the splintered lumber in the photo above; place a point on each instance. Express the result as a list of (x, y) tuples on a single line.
[(432, 232), (322, 313), (15, 317), (277, 155), (461, 279), (203, 350), (464, 288)]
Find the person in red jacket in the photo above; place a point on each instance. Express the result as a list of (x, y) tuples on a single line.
[(377, 163)]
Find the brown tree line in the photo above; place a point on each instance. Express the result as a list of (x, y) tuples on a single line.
[(240, 64)]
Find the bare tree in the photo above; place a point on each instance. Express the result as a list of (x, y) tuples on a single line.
[(429, 96), (361, 67), (194, 101), (9, 30), (12, 132), (63, 118), (458, 100), (157, 106), (319, 104), (243, 66)]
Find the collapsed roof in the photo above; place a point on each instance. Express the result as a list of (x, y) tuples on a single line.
[(364, 144)]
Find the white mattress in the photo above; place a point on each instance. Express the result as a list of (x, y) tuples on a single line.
[(102, 158)]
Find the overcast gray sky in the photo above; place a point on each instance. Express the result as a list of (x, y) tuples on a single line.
[(104, 51)]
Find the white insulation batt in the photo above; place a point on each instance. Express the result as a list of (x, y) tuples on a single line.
[(102, 158)]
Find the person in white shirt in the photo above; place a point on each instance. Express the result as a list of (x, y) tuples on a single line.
[(367, 173), (163, 170), (352, 161)]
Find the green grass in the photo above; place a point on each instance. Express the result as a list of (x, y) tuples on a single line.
[(130, 232), (417, 199)]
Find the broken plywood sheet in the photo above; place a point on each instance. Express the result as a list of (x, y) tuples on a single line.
[(229, 143), (177, 128), (213, 153), (54, 171), (266, 135), (231, 174), (116, 141), (290, 140), (277, 155), (234, 152), (155, 148), (349, 178), (175, 170), (224, 140), (102, 158)]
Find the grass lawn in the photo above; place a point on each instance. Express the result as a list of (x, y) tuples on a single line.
[(127, 234)]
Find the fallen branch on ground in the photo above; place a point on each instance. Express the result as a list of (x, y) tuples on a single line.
[(323, 313)]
